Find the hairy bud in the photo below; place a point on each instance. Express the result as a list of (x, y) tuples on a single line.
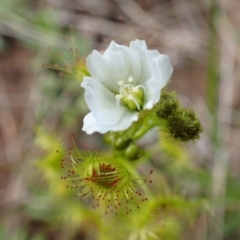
[(184, 125), (167, 104)]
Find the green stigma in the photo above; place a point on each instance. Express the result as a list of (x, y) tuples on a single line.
[(132, 96), (135, 100)]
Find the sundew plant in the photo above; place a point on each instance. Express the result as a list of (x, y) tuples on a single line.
[(119, 120), (125, 90)]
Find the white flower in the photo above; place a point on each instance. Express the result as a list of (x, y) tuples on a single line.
[(124, 80)]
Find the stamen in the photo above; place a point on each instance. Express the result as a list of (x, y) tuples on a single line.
[(118, 96), (143, 88), (120, 83), (131, 95), (130, 79), (136, 102)]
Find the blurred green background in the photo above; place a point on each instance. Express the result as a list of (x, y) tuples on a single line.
[(197, 185)]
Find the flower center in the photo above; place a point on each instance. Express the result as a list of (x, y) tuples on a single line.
[(131, 95)]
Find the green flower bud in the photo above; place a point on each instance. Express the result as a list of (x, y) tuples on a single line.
[(184, 125), (121, 143), (133, 152), (109, 137), (167, 104)]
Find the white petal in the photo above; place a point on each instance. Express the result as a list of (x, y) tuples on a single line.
[(157, 70), (148, 57), (101, 102), (153, 93), (162, 71), (138, 44), (141, 45), (141, 49), (131, 59), (116, 64), (90, 125), (126, 120), (153, 54)]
